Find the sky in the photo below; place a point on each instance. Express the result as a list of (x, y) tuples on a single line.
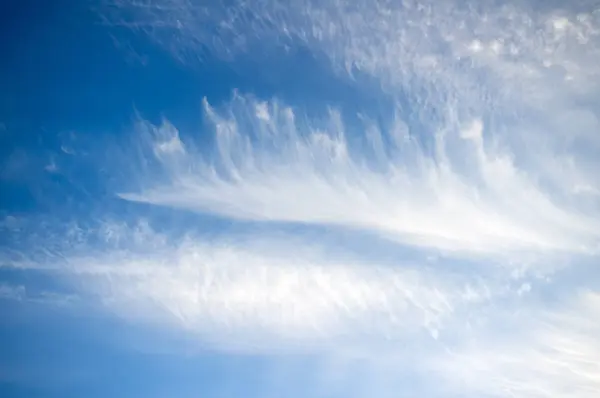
[(302, 198)]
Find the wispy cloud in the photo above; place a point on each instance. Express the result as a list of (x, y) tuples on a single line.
[(465, 196), (11, 292), (251, 292), (541, 354), (19, 292), (508, 48)]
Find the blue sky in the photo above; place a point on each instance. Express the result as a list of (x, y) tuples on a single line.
[(299, 199)]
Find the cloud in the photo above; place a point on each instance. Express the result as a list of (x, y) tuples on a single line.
[(249, 292), (468, 196), (557, 352), (10, 292), (501, 46), (21, 293)]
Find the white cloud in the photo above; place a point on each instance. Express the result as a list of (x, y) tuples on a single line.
[(11, 292), (541, 354), (469, 196), (396, 41), (261, 292), (14, 292)]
